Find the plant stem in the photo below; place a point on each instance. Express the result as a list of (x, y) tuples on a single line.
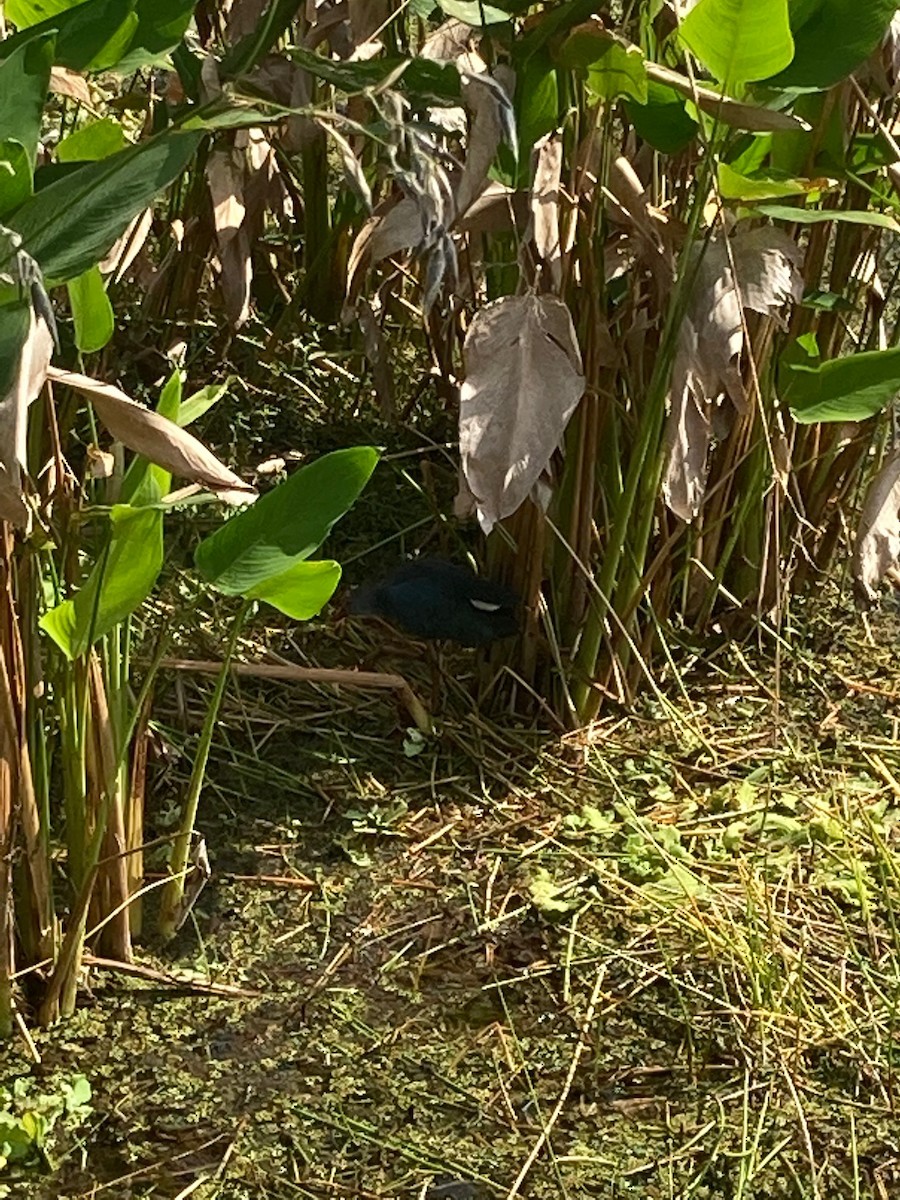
[(173, 892)]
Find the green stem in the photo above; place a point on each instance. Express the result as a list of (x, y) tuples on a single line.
[(173, 892)]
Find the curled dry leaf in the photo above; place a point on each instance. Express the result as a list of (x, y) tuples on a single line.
[(706, 373), (688, 432), (226, 169), (69, 83), (225, 176), (158, 439), (723, 108), (353, 171), (545, 196), (376, 353), (125, 250), (524, 379), (492, 123), (877, 551), (26, 383)]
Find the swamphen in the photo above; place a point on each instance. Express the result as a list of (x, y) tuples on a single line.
[(432, 598)]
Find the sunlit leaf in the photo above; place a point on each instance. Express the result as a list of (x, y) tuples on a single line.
[(739, 40), (287, 524)]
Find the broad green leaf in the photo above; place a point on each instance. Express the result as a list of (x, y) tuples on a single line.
[(92, 312), (832, 38), (426, 80), (161, 24), (286, 525), (23, 13), (121, 580), (537, 105), (24, 79), (69, 225), (99, 139), (842, 389), (15, 321), (91, 36), (739, 40), (816, 216), (473, 12), (302, 590), (663, 121), (200, 402), (618, 71), (734, 186), (610, 68), (15, 176)]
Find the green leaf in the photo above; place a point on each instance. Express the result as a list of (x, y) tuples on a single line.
[(816, 216), (92, 313), (302, 590), (761, 186), (548, 896), (15, 322), (119, 582), (161, 24), (832, 38), (663, 121), (15, 176), (23, 13), (739, 40), (91, 36), (200, 402), (99, 139), (537, 104), (842, 389), (286, 525), (473, 12), (426, 80), (24, 79), (69, 225), (611, 69)]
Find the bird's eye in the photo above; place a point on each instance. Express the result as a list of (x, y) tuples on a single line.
[(485, 606)]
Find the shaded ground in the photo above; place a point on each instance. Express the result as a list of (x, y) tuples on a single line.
[(658, 961)]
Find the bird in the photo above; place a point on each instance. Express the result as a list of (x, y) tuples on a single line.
[(434, 599)]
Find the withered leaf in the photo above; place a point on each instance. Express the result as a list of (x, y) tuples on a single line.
[(157, 438), (523, 381), (877, 549)]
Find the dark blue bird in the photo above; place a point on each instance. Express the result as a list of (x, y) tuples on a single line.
[(432, 598)]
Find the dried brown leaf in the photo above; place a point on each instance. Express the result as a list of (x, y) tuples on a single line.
[(728, 111), (391, 229), (376, 353), (125, 250), (524, 380), (160, 440), (710, 343), (484, 100), (688, 437), (367, 17), (225, 176), (766, 261), (877, 551), (69, 83), (545, 196), (236, 278), (31, 372)]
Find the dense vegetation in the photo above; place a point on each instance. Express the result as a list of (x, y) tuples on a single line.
[(620, 276)]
